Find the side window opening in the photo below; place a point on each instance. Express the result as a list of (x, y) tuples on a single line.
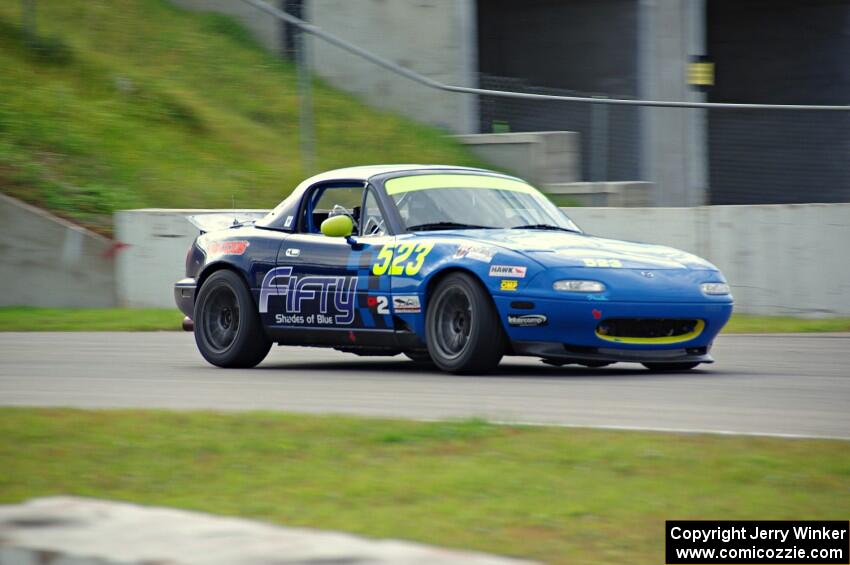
[(373, 223), (324, 202)]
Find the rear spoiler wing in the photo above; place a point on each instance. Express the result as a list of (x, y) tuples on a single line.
[(215, 221)]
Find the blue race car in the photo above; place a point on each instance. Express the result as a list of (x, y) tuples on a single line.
[(451, 266)]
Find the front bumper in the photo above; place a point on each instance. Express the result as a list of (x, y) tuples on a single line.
[(577, 354), (575, 322), (184, 296)]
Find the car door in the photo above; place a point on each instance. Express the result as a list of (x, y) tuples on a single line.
[(324, 286)]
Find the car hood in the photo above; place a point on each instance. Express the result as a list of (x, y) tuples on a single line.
[(566, 249)]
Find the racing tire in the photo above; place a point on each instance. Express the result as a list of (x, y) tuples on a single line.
[(462, 328), (420, 357), (228, 330), (670, 367)]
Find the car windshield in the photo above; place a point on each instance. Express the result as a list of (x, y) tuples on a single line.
[(458, 201)]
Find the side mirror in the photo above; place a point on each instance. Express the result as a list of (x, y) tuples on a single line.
[(338, 226)]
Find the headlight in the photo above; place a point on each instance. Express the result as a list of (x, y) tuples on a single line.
[(579, 286), (714, 289)]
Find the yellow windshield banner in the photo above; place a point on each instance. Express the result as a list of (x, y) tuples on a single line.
[(428, 182)]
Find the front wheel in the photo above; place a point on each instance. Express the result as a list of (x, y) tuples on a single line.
[(228, 330), (669, 367), (421, 357), (462, 327)]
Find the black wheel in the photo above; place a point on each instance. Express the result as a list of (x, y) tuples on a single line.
[(669, 367), (421, 357), (227, 326), (462, 327)]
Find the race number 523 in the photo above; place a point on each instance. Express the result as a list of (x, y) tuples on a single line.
[(401, 258)]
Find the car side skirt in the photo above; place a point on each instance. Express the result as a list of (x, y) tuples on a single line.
[(349, 338)]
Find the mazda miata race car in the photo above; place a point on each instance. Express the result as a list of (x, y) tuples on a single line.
[(451, 266)]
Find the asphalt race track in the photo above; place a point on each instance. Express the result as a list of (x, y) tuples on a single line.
[(779, 384)]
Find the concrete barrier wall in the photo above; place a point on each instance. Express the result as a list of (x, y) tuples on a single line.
[(155, 258), (619, 193), (541, 157), (440, 45), (46, 261), (780, 260)]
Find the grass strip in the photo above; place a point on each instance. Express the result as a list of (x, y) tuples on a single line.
[(26, 319), (554, 494)]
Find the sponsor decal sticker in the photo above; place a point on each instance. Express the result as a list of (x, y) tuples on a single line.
[(477, 253), (509, 284), (527, 320), (288, 221), (309, 300), (293, 252), (407, 304), (379, 303), (507, 271), (228, 247), (597, 314)]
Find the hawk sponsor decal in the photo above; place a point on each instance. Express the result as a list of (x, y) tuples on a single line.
[(228, 247), (407, 304), (507, 271), (527, 320), (309, 300), (509, 284), (478, 253)]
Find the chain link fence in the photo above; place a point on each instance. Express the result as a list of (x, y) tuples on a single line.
[(743, 156), (716, 152), (774, 157), (610, 135)]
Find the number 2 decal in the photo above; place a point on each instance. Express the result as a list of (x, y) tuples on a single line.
[(407, 259)]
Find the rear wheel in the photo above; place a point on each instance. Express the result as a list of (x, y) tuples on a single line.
[(670, 367), (463, 330), (227, 326)]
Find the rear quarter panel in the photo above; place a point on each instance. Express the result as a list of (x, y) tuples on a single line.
[(249, 251)]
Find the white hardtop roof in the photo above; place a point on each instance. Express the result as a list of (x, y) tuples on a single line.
[(366, 172)]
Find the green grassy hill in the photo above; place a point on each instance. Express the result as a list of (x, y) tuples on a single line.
[(134, 103)]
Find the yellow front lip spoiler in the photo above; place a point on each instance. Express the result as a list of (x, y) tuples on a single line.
[(698, 328)]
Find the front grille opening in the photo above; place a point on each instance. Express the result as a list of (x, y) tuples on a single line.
[(648, 328)]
